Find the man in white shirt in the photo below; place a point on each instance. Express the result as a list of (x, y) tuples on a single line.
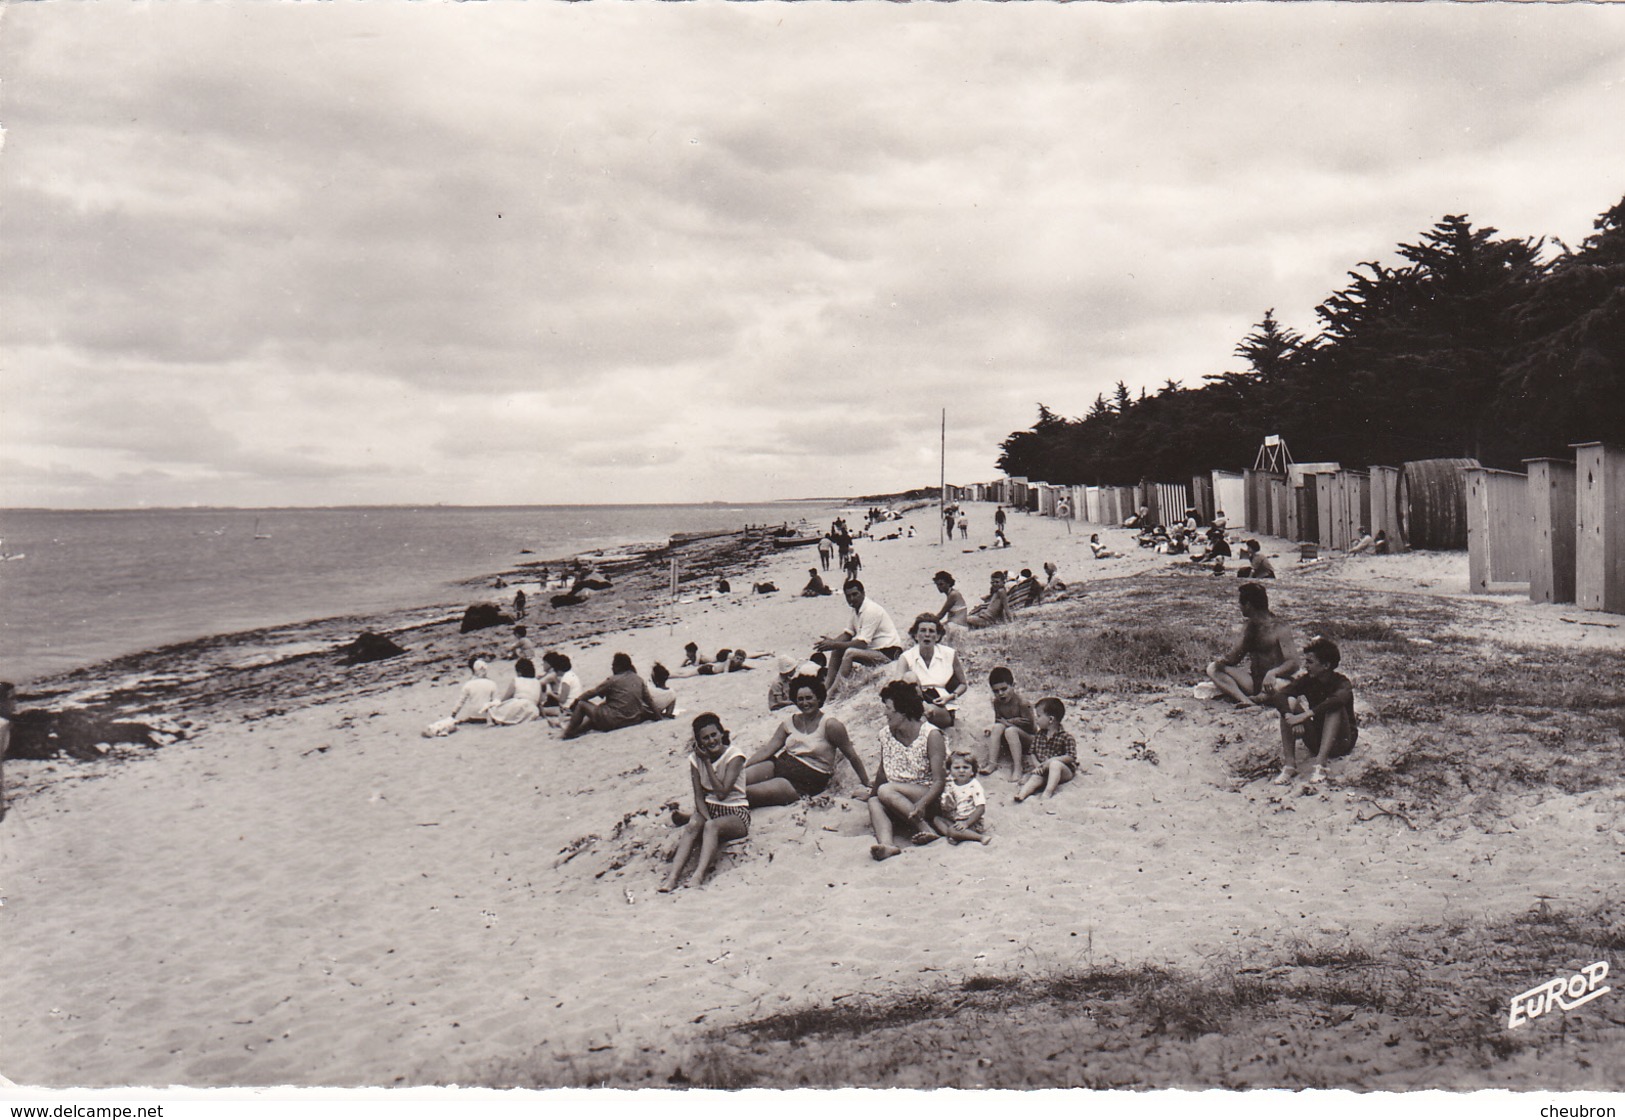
[(870, 638)]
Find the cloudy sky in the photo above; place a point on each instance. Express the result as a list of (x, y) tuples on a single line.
[(261, 254)]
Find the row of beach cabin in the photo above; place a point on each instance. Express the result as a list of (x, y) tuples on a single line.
[(1556, 530)]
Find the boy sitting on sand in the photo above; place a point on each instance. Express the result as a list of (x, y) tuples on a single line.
[(964, 801), (1329, 729), (1053, 760), (1013, 726)]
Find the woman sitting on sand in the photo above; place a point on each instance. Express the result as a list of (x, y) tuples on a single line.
[(664, 698), (953, 611), (815, 585), (560, 686), (522, 700), (912, 771), (934, 668), (799, 759), (993, 610), (625, 701), (716, 770), (1101, 551), (479, 692)]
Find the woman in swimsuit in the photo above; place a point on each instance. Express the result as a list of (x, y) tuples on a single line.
[(912, 772), (799, 760)]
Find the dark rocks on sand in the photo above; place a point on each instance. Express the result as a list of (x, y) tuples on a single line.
[(370, 647), (483, 616), (77, 733)]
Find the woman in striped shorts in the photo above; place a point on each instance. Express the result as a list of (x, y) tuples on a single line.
[(721, 811)]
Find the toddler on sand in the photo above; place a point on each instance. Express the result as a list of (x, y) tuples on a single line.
[(1053, 755), (963, 802)]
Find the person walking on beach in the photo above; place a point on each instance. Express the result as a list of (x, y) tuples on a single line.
[(870, 638), (998, 519), (826, 551), (1265, 642), (964, 525)]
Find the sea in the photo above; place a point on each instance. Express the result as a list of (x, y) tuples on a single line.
[(83, 586)]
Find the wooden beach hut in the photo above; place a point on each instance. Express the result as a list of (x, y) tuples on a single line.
[(1384, 515), (1172, 500), (1432, 500), (1498, 530), (1599, 527), (1202, 496), (1551, 530), (1229, 490)]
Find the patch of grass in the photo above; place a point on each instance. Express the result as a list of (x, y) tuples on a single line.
[(1425, 1005)]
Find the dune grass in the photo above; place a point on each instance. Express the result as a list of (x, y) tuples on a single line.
[(1425, 1006), (1556, 716)]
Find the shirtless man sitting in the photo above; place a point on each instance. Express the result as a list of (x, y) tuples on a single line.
[(1267, 644)]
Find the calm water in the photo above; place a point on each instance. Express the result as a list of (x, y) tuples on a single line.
[(98, 584)]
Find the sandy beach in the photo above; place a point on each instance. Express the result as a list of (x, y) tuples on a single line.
[(309, 892)]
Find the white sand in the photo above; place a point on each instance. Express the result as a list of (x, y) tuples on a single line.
[(328, 898)]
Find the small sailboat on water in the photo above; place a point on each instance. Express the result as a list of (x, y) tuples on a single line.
[(259, 536), (4, 555)]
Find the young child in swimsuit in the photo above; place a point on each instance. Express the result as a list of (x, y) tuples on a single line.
[(1012, 726), (963, 803)]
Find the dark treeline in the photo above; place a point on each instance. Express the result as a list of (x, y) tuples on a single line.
[(1478, 345)]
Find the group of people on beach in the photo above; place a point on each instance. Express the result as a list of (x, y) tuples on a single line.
[(920, 790), (918, 787)]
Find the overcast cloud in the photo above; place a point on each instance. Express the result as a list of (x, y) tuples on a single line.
[(277, 253)]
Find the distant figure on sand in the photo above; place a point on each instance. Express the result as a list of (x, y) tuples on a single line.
[(665, 700), (1255, 565), (1100, 550), (625, 701), (964, 802), (478, 693), (1139, 519), (870, 638), (994, 609), (522, 645), (1328, 728), (521, 702), (519, 603), (8, 708), (1379, 543), (1363, 542), (912, 772), (560, 685), (826, 551), (963, 521), (1266, 643), (800, 757), (815, 585), (998, 518), (934, 668), (716, 770)]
